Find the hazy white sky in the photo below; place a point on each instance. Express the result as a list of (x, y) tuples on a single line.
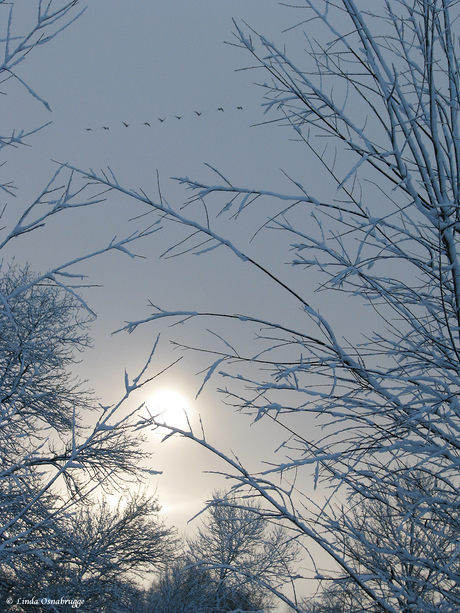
[(136, 62)]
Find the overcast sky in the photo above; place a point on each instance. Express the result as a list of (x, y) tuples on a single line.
[(138, 62)]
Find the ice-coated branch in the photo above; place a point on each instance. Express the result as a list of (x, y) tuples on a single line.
[(380, 86)]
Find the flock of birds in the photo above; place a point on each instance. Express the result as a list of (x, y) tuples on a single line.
[(162, 119)]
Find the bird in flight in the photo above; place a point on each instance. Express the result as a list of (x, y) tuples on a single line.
[(177, 117), (89, 129), (198, 113), (125, 124), (146, 123), (240, 108), (105, 128), (159, 119), (220, 109)]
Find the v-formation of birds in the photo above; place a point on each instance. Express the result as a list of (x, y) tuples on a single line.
[(162, 119)]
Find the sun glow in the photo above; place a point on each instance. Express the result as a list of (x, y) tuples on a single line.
[(169, 408)]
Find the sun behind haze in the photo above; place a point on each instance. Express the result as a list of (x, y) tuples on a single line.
[(168, 407)]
